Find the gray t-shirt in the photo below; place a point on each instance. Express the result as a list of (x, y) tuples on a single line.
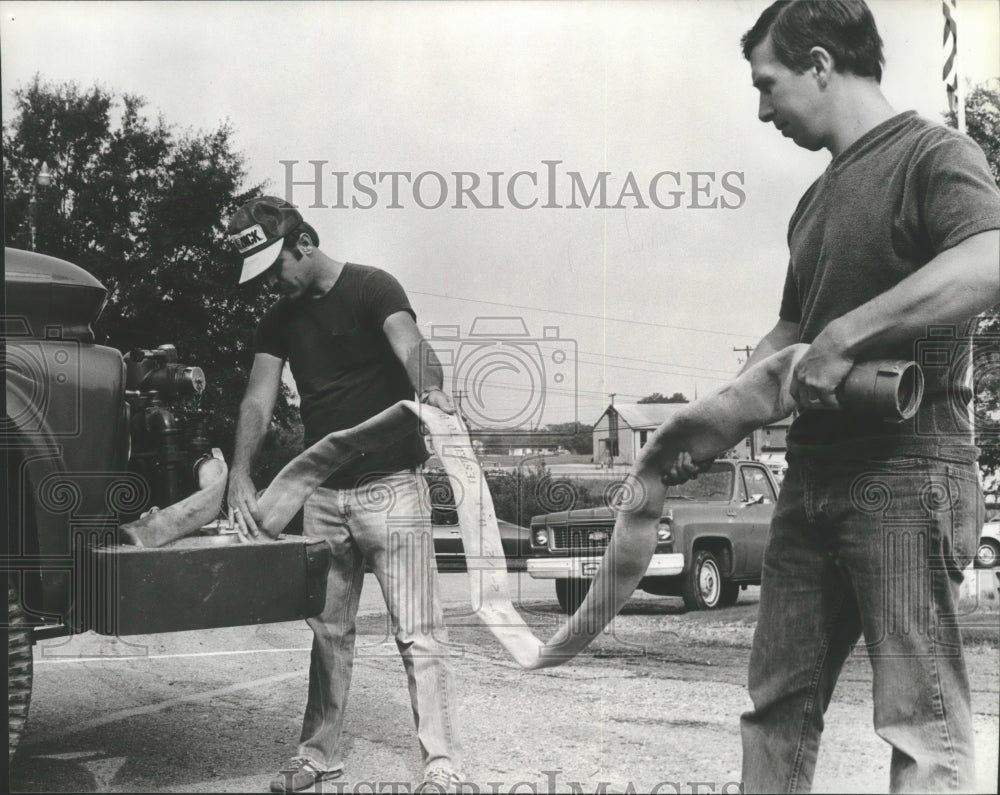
[(896, 198)]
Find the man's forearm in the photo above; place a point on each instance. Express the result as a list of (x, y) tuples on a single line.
[(953, 287), (777, 339), (766, 347), (250, 432), (424, 368)]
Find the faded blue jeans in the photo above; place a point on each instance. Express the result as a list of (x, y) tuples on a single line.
[(386, 522), (872, 548)]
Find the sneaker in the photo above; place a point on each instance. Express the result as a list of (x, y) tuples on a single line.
[(300, 774), (438, 780)]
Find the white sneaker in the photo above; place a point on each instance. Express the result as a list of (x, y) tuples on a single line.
[(439, 780)]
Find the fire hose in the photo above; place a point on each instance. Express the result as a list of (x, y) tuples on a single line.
[(158, 528), (704, 429)]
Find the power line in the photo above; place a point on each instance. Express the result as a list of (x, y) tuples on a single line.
[(603, 318), (616, 357), (547, 389), (658, 372), (541, 344), (554, 391), (505, 385)]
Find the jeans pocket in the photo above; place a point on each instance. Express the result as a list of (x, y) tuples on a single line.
[(968, 513)]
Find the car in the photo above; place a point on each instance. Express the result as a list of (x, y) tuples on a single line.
[(711, 538), (91, 439), (449, 550), (988, 552)]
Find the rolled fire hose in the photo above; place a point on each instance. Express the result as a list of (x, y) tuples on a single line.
[(703, 429), (159, 527)]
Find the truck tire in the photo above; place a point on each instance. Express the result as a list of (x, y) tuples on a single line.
[(19, 670), (988, 554), (571, 593), (704, 588), (730, 593)]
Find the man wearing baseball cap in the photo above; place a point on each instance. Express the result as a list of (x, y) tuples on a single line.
[(350, 337)]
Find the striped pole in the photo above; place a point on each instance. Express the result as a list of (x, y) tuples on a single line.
[(949, 74), (956, 103)]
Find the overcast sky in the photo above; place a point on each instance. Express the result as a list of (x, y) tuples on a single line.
[(638, 298)]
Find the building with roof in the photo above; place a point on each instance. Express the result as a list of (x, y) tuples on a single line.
[(623, 428)]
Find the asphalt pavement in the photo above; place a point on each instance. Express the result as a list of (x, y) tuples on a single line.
[(655, 703)]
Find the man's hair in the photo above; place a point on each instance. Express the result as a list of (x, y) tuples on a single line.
[(844, 28), (290, 241)]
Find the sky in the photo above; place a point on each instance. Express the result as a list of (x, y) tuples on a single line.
[(539, 309)]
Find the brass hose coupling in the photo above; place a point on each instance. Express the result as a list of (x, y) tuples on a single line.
[(888, 388)]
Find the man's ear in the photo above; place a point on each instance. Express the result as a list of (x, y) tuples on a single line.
[(822, 65), (305, 244)]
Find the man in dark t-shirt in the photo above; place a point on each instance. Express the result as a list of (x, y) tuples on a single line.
[(344, 366), (349, 336), (892, 250)]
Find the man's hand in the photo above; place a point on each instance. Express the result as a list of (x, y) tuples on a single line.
[(819, 372), (243, 511), (439, 399), (684, 469)]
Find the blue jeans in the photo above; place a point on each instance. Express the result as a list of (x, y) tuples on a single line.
[(872, 548), (386, 522)]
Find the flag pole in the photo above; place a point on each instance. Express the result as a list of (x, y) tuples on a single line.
[(956, 103), (959, 87), (950, 72)]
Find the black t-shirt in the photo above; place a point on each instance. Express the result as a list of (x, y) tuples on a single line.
[(343, 366), (900, 195)]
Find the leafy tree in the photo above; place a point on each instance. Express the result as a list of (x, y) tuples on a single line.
[(656, 397), (142, 207), (576, 437), (982, 121)]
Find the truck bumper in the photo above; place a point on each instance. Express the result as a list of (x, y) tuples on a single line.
[(205, 582), (664, 565)]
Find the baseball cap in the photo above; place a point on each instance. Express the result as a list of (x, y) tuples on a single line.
[(256, 231)]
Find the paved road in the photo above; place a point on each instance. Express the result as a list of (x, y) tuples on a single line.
[(657, 701)]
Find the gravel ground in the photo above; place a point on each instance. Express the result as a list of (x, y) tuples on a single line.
[(655, 703)]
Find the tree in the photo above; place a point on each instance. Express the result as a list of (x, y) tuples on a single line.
[(141, 206), (656, 397), (574, 436), (982, 121)]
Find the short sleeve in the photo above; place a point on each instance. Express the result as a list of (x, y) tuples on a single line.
[(267, 338), (791, 307), (383, 296), (953, 195)]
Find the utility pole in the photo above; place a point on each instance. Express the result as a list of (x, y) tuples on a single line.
[(746, 350), (612, 432)]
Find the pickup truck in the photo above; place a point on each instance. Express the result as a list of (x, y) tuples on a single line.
[(711, 538)]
